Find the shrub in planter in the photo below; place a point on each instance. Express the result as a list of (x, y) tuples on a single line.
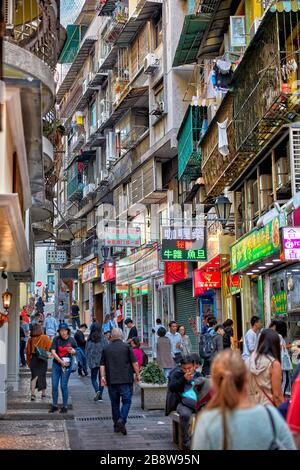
[(153, 374)]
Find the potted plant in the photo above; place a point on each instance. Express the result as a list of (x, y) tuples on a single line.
[(153, 387)]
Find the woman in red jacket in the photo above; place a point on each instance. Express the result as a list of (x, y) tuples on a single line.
[(293, 416)]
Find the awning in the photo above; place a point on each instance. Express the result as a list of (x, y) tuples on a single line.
[(128, 101), (143, 12), (287, 6), (108, 8), (190, 38), (75, 67)]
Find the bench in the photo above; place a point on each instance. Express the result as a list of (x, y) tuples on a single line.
[(176, 429)]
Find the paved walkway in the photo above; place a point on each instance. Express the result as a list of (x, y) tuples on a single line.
[(88, 425)]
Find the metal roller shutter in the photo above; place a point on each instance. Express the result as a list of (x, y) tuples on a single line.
[(186, 308)]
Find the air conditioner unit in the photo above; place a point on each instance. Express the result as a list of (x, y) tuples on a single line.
[(265, 186), (91, 189), (158, 108), (151, 64), (254, 27), (85, 191), (111, 155), (104, 116), (104, 174)]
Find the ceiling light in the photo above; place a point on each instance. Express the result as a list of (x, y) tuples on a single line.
[(256, 270), (249, 274), (269, 264), (276, 260), (261, 267), (295, 270)]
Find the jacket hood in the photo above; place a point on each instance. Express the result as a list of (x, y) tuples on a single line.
[(258, 364)]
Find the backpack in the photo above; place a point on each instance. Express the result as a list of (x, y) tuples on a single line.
[(206, 346), (145, 359)]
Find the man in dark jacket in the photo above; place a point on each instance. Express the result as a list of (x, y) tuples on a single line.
[(118, 365), (75, 315), (81, 342)]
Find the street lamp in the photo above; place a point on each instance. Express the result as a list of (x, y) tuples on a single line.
[(6, 299), (223, 206)]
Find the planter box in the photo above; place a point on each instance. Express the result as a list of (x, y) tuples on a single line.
[(153, 396)]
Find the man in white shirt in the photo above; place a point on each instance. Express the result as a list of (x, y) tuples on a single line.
[(175, 340), (154, 335), (250, 338)]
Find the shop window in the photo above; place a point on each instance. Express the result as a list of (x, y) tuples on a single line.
[(93, 114)]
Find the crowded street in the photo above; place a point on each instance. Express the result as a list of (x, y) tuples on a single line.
[(150, 232)]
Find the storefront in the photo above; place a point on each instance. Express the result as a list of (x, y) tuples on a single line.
[(187, 311), (98, 301), (89, 274), (108, 278), (207, 287)]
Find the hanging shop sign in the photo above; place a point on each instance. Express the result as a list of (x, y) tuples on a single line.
[(291, 243), (205, 280), (140, 289), (140, 264), (278, 291), (56, 257), (175, 272), (109, 273), (90, 270), (255, 246), (184, 244), (121, 236), (122, 289)]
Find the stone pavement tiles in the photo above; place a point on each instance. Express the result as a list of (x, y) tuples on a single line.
[(92, 427)]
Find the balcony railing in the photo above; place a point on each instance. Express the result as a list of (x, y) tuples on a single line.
[(34, 25), (119, 18), (75, 188), (132, 137), (86, 249), (71, 101)]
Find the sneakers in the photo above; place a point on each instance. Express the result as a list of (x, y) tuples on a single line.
[(32, 398), (120, 427), (53, 409), (98, 396), (63, 410)]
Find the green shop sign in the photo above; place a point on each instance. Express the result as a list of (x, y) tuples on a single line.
[(255, 246), (278, 303)]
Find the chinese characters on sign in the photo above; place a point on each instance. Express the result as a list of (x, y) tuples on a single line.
[(291, 243), (56, 257), (183, 244), (121, 236), (90, 270), (203, 281)]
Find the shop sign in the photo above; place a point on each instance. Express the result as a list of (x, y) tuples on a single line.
[(291, 243), (109, 273), (233, 283), (56, 257), (184, 244), (205, 280), (121, 236), (175, 272), (140, 289), (143, 263), (122, 289), (255, 246), (90, 270), (279, 303)]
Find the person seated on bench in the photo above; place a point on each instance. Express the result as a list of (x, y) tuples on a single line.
[(185, 388)]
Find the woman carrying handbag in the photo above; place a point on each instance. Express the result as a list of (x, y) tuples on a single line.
[(37, 354)]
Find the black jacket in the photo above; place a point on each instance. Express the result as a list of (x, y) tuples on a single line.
[(176, 383)]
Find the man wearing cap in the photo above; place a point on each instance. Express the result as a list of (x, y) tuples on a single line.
[(63, 348)]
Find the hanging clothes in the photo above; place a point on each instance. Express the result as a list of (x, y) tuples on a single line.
[(223, 140), (223, 74)]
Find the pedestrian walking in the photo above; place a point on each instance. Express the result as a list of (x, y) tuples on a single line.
[(37, 343), (63, 348), (118, 365), (228, 336), (186, 345), (24, 314), (250, 339), (286, 363), (154, 330), (137, 351), (217, 341), (47, 293), (119, 316), (230, 421), (133, 332), (164, 352), (209, 345), (265, 370), (176, 342), (39, 306), (23, 335), (94, 348), (61, 312), (50, 326), (107, 326), (81, 344), (75, 315)]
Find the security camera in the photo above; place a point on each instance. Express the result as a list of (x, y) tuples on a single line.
[(4, 275)]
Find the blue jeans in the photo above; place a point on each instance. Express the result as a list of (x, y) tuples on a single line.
[(58, 374), (75, 321), (95, 380), (81, 360), (116, 392)]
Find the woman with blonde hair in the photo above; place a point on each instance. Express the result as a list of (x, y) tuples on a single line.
[(231, 421)]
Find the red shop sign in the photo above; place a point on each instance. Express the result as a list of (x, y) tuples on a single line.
[(109, 273), (175, 271), (205, 280)]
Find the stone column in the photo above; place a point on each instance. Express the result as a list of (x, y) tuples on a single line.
[(13, 338), (3, 355)]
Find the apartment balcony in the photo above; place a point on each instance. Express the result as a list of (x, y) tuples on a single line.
[(133, 137), (146, 183), (77, 140), (189, 135), (69, 106), (75, 188), (107, 7), (42, 230), (34, 25), (265, 96), (84, 251)]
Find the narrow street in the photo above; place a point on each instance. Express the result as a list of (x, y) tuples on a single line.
[(88, 425)]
